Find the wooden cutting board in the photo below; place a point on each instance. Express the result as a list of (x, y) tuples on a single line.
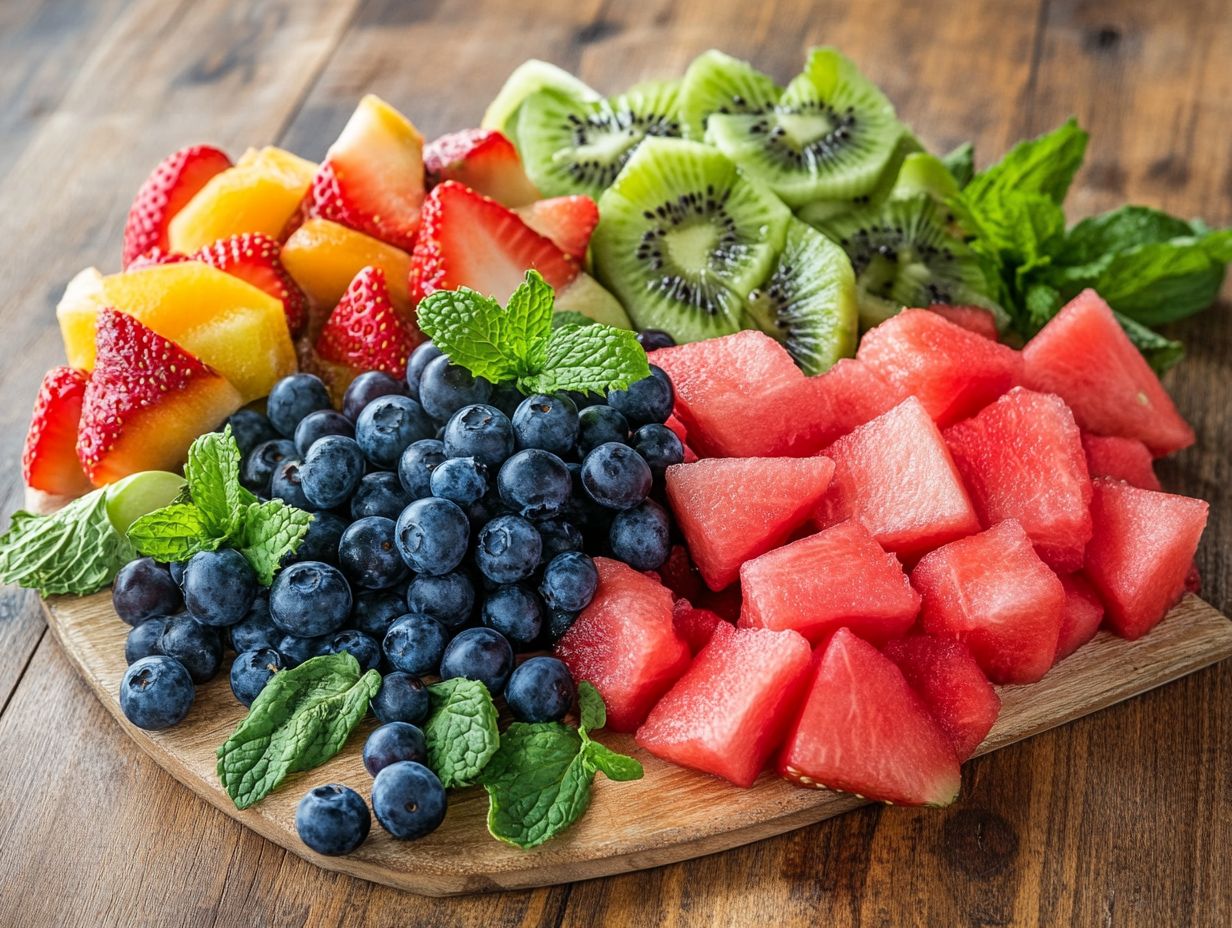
[(672, 814)]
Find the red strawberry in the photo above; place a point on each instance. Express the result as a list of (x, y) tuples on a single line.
[(255, 257), (469, 240), (49, 461), (567, 221), (363, 332), (173, 183), (154, 257), (485, 161)]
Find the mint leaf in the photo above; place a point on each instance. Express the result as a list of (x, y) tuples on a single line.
[(213, 474), (1161, 282), (618, 767), (564, 317), (173, 533), (1160, 352), (538, 783), (268, 532), (1097, 236), (461, 732), (468, 327), (590, 708), (589, 359), (300, 720), (528, 320), (961, 163), (1044, 165)]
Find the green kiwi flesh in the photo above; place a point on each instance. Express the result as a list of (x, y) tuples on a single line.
[(586, 296), (818, 212), (527, 78), (683, 237), (719, 83), (924, 173)]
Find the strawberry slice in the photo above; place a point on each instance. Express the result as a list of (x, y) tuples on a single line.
[(154, 257), (567, 221), (469, 240), (49, 461), (256, 258), (169, 187), (484, 160), (364, 333), (372, 178)]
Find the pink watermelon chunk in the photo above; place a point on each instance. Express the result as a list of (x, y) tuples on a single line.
[(1084, 356), (731, 709), (864, 730), (1021, 458), (975, 319), (1080, 618), (1123, 458), (733, 509), (896, 475), (847, 395), (952, 685), (838, 577), (1140, 553), (694, 626), (954, 372), (625, 644), (994, 593)]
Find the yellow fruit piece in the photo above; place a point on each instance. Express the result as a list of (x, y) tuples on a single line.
[(323, 257), (77, 312), (259, 194)]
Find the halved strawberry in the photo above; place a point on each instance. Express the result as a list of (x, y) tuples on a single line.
[(568, 221), (154, 257), (49, 461), (172, 184), (469, 240), (372, 178), (256, 258), (484, 160), (364, 333)]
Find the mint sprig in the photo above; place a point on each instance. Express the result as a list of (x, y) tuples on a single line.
[(521, 344), (461, 732)]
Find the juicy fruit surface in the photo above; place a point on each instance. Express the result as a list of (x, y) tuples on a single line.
[(567, 221), (731, 708), (844, 397), (1021, 458), (363, 332), (819, 584), (1140, 552), (695, 626), (323, 258), (864, 730), (1123, 458), (1080, 618), (255, 258), (174, 182), (484, 160), (734, 509), (49, 458), (1084, 357), (77, 314), (975, 319), (992, 592), (624, 643)]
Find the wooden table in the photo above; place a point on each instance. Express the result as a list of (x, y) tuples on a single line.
[(1124, 818)]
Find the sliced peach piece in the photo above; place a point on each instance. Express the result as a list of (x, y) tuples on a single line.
[(323, 257), (77, 312)]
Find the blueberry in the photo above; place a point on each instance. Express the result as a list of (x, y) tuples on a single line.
[(463, 480), (640, 536), (394, 742), (368, 555), (482, 654), (143, 590), (176, 569), (259, 465), (535, 484), (249, 428), (408, 800), (558, 536), (659, 445), (415, 643), (415, 364), (449, 598), (251, 670), (401, 698), (331, 471), (444, 388), (648, 400), (375, 611), (559, 622), (569, 582), (319, 424), (581, 510), (194, 645), (654, 339), (508, 549), (416, 465), (546, 422), (256, 630), (598, 425), (295, 650), (156, 692), (481, 432), (287, 485), (432, 536), (309, 599), (540, 690), (387, 427), (360, 646), (332, 819), (142, 641), (486, 508), (219, 586), (321, 542), (294, 397), (506, 397), (616, 476), (515, 612), (379, 494), (367, 387)]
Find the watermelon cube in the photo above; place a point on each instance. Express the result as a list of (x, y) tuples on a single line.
[(838, 577), (994, 593), (731, 709), (625, 644), (694, 626), (1021, 458), (1081, 615), (952, 685), (864, 730), (896, 475), (1084, 356), (975, 319), (733, 509), (954, 372), (1140, 553), (847, 395), (1123, 458)]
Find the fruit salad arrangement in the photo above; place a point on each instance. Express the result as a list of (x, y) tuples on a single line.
[(431, 471)]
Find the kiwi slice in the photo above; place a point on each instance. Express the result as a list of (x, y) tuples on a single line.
[(819, 212), (683, 237), (719, 83), (809, 300), (573, 146), (924, 173), (830, 136), (527, 78), (904, 254)]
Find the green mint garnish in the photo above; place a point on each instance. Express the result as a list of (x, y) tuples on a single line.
[(524, 343), (461, 732), (300, 720)]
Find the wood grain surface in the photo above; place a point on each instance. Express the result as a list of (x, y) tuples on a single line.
[(1123, 818)]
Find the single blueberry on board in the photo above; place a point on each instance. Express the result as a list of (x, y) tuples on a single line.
[(156, 692), (540, 690), (408, 800), (332, 819)]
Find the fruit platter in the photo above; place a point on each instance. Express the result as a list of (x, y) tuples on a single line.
[(626, 479)]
